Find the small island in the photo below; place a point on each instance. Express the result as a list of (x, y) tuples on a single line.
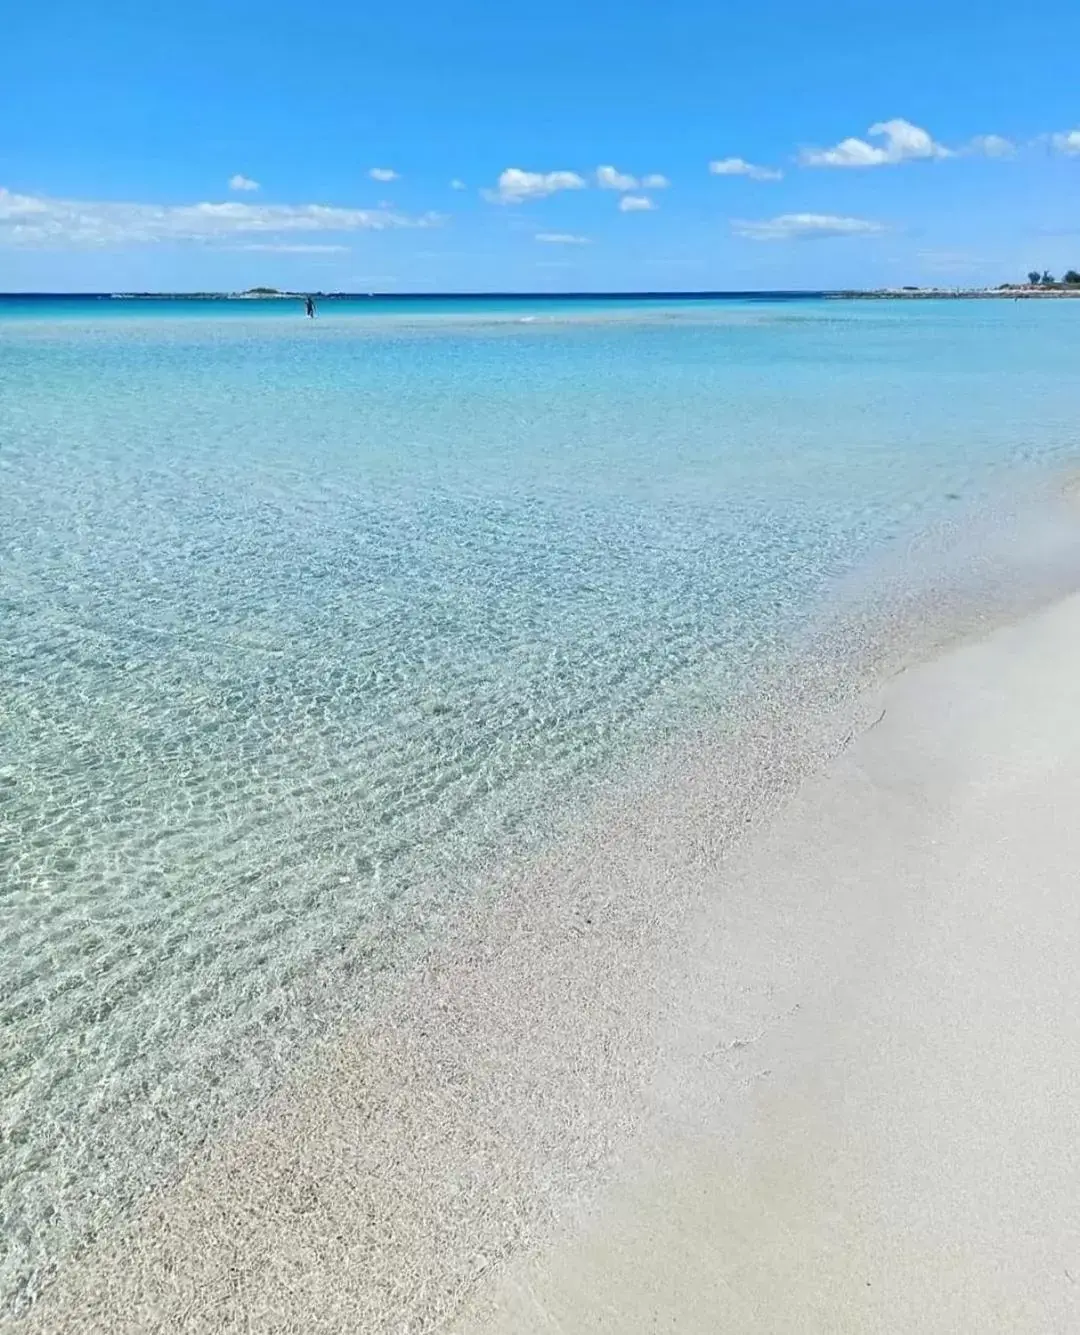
[(249, 294), (267, 294)]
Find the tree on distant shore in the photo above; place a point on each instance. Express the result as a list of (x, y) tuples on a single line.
[(1047, 279)]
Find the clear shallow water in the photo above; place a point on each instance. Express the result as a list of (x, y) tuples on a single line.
[(303, 624)]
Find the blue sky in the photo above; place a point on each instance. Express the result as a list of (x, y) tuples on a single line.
[(123, 124)]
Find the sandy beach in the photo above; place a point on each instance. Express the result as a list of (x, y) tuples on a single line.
[(897, 1149), (824, 1079)]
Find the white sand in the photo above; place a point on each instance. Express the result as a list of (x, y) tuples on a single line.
[(905, 1152), (828, 1083)]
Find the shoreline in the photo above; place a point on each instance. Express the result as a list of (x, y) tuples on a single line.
[(517, 1070), (892, 1146)]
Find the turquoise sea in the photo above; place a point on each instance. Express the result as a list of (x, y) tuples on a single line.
[(308, 624)]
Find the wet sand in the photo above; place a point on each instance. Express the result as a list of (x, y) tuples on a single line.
[(822, 1077)]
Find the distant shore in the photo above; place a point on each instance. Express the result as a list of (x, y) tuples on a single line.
[(1014, 292)]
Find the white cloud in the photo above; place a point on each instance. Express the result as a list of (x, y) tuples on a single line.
[(383, 174), (635, 204), (562, 239), (991, 146), (740, 167), (455, 184), (239, 182), (33, 221), (847, 153), (903, 142), (1067, 143), (804, 226), (609, 178), (515, 185)]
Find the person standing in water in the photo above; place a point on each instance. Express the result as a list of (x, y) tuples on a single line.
[(309, 307)]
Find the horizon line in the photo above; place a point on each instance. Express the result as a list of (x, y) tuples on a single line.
[(255, 294)]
